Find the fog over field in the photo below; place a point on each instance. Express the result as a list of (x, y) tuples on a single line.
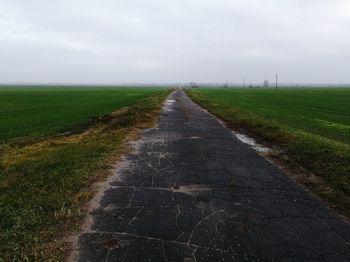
[(119, 41)]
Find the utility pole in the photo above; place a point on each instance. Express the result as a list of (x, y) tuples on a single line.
[(276, 81)]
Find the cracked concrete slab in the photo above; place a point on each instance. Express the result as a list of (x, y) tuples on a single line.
[(191, 191)]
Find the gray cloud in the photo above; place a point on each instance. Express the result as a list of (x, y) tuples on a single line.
[(174, 41)]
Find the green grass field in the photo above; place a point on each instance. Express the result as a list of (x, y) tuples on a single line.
[(41, 111), (322, 112), (309, 127), (45, 181)]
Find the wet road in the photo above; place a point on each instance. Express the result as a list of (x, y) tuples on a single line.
[(191, 191)]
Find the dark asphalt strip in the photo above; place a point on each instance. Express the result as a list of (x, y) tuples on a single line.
[(190, 191)]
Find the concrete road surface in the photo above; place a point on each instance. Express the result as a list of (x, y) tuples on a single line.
[(191, 191)]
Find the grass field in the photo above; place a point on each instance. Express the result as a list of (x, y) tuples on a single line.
[(40, 111), (323, 112), (311, 127), (44, 182)]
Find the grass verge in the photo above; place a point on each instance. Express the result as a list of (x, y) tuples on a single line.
[(321, 164), (44, 184)]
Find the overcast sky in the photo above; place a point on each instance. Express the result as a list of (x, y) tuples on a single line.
[(118, 41)]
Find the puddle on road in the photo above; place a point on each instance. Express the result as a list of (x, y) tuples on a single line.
[(167, 105), (251, 142)]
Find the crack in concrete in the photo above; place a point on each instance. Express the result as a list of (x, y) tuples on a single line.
[(135, 217), (200, 222), (164, 255), (192, 246)]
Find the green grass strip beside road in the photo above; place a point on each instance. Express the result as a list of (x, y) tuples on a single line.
[(321, 155), (44, 184)]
